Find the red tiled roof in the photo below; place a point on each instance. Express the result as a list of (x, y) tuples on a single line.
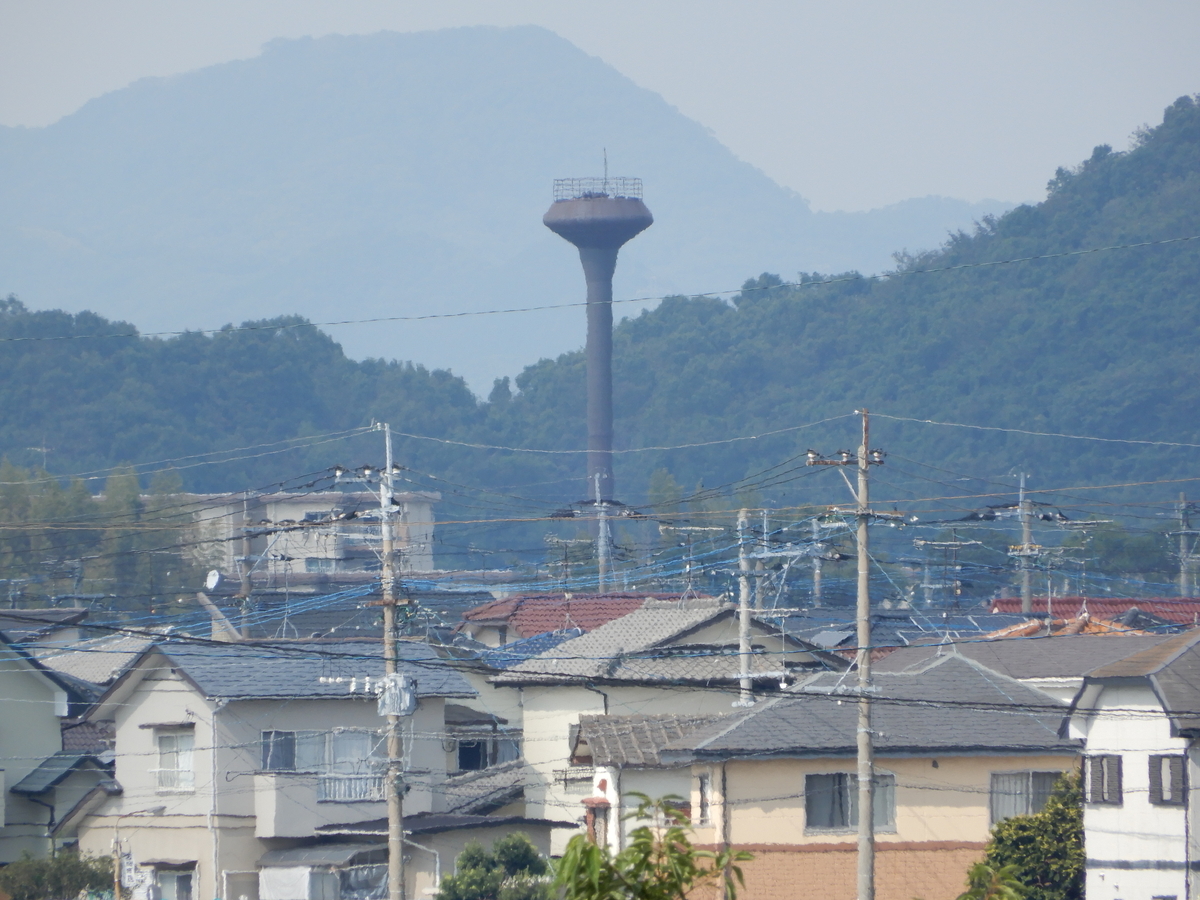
[(1183, 610), (532, 614)]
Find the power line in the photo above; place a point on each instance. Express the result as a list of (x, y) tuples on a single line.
[(802, 285)]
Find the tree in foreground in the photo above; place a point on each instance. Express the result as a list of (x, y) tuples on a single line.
[(513, 870), (987, 883), (660, 862), (61, 878), (1045, 850)]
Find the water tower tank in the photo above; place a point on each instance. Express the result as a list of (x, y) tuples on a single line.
[(598, 215)]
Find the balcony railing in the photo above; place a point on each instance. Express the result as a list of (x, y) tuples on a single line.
[(349, 788), (595, 188)]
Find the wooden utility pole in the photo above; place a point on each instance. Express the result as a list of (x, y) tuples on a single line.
[(394, 781), (863, 459)]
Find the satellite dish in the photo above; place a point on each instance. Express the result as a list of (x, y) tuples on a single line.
[(213, 580)]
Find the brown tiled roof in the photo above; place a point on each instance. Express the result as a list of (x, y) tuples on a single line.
[(86, 737), (1183, 610), (532, 614)]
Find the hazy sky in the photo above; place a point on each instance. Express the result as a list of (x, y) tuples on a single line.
[(854, 105)]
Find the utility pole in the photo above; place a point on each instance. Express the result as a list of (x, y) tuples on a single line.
[(1185, 558), (395, 789), (863, 459), (745, 684), (816, 563), (602, 540), (244, 567), (1026, 546)]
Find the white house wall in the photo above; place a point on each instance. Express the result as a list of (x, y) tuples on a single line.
[(1135, 851)]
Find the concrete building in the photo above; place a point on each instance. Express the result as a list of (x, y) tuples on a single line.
[(295, 536)]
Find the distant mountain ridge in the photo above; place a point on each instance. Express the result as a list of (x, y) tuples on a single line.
[(398, 174)]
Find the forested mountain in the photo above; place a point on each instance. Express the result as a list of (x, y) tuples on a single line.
[(1100, 344), (352, 177)]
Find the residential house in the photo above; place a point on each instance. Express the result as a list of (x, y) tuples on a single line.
[(1055, 665), (625, 754), (527, 615), (958, 747), (1140, 717), (38, 780), (227, 753), (1183, 611), (664, 657)]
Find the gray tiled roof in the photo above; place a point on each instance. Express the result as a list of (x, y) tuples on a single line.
[(484, 790), (954, 706), (1064, 656), (635, 648), (634, 740), (269, 671), (54, 769), (98, 661), (1173, 667)]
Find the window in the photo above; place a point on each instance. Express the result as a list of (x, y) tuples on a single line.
[(479, 753), (353, 769), (1168, 786), (704, 789), (175, 771), (174, 885), (831, 801), (278, 751), (1102, 780), (1020, 793)]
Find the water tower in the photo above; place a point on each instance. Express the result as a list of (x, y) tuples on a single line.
[(598, 215)]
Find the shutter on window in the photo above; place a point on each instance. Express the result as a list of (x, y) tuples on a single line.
[(1156, 780), (1095, 780), (1112, 779), (1178, 776)]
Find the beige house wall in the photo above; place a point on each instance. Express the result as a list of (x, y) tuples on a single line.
[(941, 824), (549, 711), (30, 730)]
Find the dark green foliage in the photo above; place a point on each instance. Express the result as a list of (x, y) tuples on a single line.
[(987, 883), (513, 870), (59, 878), (1046, 849), (1096, 344), (61, 541), (659, 862)]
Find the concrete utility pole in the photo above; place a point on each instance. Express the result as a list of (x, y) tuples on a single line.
[(394, 787), (246, 587), (816, 564), (866, 746), (602, 536), (746, 692), (1185, 557), (1026, 548), (863, 459)]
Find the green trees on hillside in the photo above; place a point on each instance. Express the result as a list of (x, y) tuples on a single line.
[(1080, 343)]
